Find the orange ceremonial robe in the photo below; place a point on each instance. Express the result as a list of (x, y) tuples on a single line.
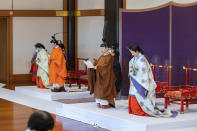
[(57, 67), (134, 107)]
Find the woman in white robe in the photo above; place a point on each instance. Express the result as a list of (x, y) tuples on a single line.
[(142, 87), (43, 69)]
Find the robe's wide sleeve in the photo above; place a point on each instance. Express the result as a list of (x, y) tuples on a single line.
[(143, 76), (91, 79), (103, 62)]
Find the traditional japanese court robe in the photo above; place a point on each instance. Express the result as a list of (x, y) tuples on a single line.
[(142, 89), (103, 85), (33, 69), (43, 69), (57, 67)]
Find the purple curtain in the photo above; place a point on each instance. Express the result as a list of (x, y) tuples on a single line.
[(184, 43), (150, 30)]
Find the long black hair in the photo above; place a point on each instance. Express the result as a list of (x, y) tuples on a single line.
[(135, 48), (39, 45), (61, 46)]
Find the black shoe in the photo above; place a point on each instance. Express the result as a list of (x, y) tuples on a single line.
[(55, 90), (113, 106), (62, 89)]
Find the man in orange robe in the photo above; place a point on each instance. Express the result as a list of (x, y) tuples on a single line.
[(57, 68)]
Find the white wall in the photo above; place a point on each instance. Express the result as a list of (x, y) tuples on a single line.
[(5, 4), (38, 4), (90, 4), (26, 32), (29, 30), (31, 4), (142, 4), (90, 31)]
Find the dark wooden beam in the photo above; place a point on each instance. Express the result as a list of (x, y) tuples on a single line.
[(76, 34), (4, 13), (65, 26), (4, 49), (124, 4), (10, 48), (34, 13), (112, 16), (112, 35), (21, 77), (71, 35), (51, 13), (28, 13), (96, 12)]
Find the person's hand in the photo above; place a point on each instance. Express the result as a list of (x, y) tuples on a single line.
[(95, 61), (38, 60)]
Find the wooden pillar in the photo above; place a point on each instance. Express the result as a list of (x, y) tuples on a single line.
[(5, 49), (112, 34), (10, 49), (124, 4), (76, 36), (112, 16), (71, 35), (65, 23)]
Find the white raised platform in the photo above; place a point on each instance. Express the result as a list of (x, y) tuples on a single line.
[(115, 119), (48, 95), (33, 102), (118, 119), (1, 85)]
